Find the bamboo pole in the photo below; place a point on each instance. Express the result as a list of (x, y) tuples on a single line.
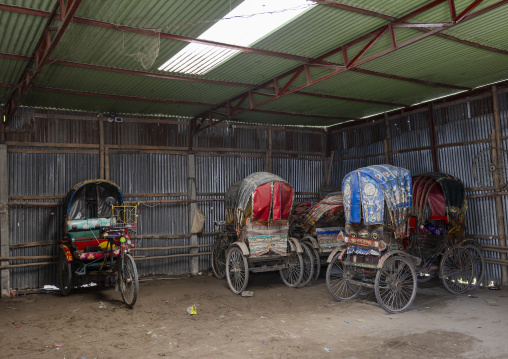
[(106, 164), (496, 142), (388, 142), (268, 160), (432, 130), (330, 167), (173, 256), (135, 258), (101, 147)]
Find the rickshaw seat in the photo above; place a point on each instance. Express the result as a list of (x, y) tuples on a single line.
[(439, 218), (94, 255), (412, 224)]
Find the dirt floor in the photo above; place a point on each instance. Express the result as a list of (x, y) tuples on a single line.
[(277, 322)]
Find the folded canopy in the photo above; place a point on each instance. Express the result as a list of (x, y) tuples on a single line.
[(367, 189), (97, 194), (444, 193), (270, 196)]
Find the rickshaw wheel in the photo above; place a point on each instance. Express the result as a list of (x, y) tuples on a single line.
[(64, 273), (309, 261), (129, 284), (219, 257), (317, 267), (479, 266), (396, 284), (340, 288), (457, 270), (237, 270), (292, 275)]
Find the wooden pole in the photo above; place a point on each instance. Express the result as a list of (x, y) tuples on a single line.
[(433, 147), (388, 142), (191, 188), (4, 220), (269, 151), (330, 167), (323, 154), (496, 156), (106, 164), (101, 147)]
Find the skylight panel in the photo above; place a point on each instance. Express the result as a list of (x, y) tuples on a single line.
[(243, 26)]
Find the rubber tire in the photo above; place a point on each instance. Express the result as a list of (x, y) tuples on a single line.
[(317, 267), (129, 266), (479, 261), (461, 251), (219, 250), (235, 256), (64, 273), (309, 261), (295, 261), (336, 268), (414, 285)]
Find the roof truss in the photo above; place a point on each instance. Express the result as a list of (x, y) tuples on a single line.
[(282, 85), (47, 42)]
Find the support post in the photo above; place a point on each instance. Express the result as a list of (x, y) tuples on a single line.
[(101, 147), (388, 142), (106, 164), (268, 160), (330, 167), (433, 147), (191, 190), (323, 154), (4, 221), (496, 154)]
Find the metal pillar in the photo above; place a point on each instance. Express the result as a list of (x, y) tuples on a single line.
[(191, 193), (4, 220)]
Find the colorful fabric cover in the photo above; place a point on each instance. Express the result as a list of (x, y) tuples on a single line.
[(444, 193), (263, 239), (89, 256), (269, 196), (328, 210), (92, 223), (330, 237), (366, 190)]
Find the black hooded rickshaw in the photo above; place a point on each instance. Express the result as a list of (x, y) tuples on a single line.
[(97, 239), (437, 233)]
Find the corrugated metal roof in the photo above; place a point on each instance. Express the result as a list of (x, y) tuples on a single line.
[(315, 32)]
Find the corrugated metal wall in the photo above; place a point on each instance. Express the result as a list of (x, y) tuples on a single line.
[(462, 131), (147, 158)]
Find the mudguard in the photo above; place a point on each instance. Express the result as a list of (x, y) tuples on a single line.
[(415, 260), (293, 242), (243, 247), (312, 240), (67, 251), (335, 251)]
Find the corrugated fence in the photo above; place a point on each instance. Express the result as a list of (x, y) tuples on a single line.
[(50, 151), (462, 130)]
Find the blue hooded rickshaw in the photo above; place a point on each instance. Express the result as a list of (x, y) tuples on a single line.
[(377, 204)]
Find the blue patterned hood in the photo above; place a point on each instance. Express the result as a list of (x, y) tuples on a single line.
[(367, 189)]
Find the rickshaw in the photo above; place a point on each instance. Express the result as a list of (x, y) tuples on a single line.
[(97, 239), (437, 233), (319, 226), (377, 204), (255, 237)]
